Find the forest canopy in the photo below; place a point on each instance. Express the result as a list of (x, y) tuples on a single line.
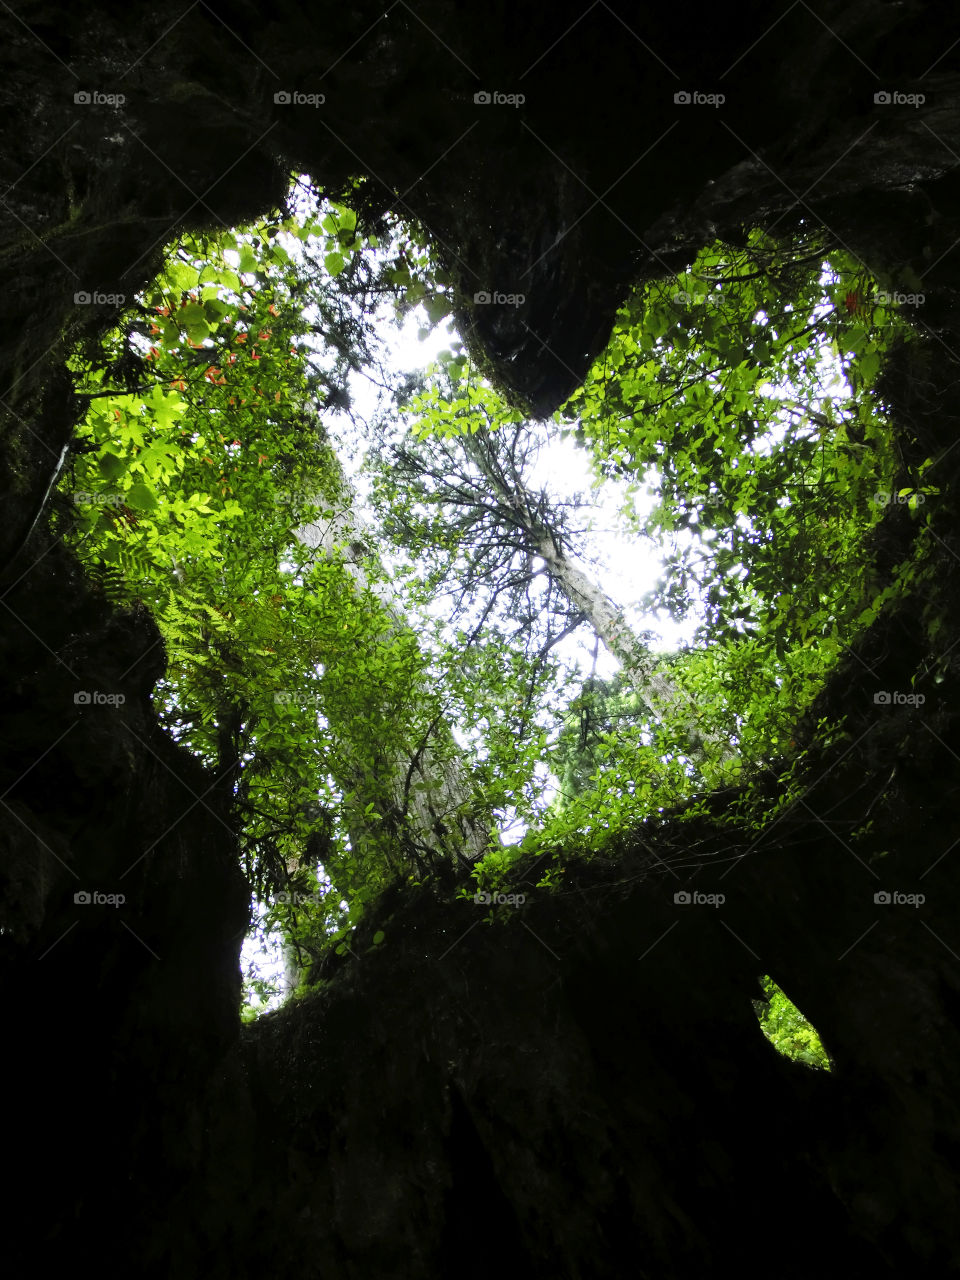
[(369, 611)]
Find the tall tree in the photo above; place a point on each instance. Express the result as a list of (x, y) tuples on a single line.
[(472, 495)]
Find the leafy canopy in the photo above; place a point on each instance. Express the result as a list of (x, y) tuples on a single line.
[(738, 406)]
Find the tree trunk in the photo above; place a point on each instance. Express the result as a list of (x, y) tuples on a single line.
[(661, 695)]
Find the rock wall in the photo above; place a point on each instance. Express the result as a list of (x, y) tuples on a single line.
[(584, 1084)]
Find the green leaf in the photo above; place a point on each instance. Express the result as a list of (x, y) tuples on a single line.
[(437, 306), (111, 466), (141, 498)]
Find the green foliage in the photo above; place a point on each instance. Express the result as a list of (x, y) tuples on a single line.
[(738, 408), (743, 396), (202, 453), (744, 392), (787, 1029)]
